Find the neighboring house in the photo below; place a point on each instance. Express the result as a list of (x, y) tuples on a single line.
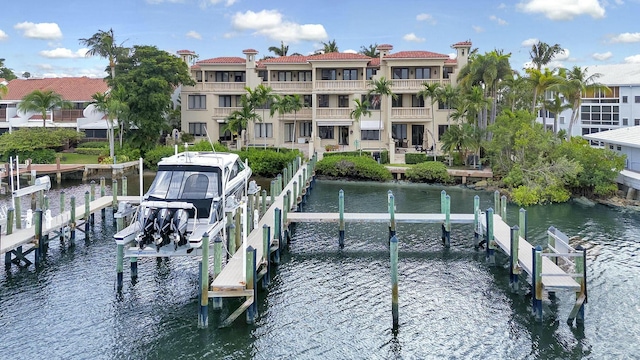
[(76, 90), (328, 84), (625, 141), (602, 111)]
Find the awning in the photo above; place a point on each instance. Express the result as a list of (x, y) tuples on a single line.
[(371, 125), (335, 122)]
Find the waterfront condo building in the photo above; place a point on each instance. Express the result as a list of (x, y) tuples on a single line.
[(328, 84)]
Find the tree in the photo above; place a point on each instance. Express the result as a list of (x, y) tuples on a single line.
[(295, 104), (330, 46), (280, 51), (239, 119), (149, 77), (542, 53), (103, 43), (381, 87), (576, 83), (26, 74), (3, 90), (370, 51), (541, 81), (431, 91), (114, 108), (259, 97), (556, 106), (42, 101), (5, 72), (361, 109)]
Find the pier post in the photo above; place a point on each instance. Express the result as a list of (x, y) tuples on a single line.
[(266, 255), (491, 256), (536, 281), (232, 240), (18, 207), (522, 221), (443, 195), (276, 235), (280, 183), (103, 193), (285, 222), (285, 175), (216, 302), (503, 208), (203, 315), (273, 191), (446, 230), (476, 222), (40, 246), (87, 214), (391, 207), (72, 220), (41, 196), (514, 269), (238, 219), (93, 197), (252, 310), (300, 190), (62, 202), (294, 199), (7, 255), (496, 200), (341, 224), (45, 206), (134, 267), (124, 186), (263, 205), (119, 267), (581, 268), (249, 213), (393, 245), (114, 188)]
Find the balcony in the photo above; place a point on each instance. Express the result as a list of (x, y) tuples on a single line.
[(223, 112), (415, 84), (291, 86), (339, 85), (417, 113), (217, 87), (333, 113), (67, 115)]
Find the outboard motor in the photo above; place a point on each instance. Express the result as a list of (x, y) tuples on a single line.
[(179, 227), (148, 220), (161, 236)]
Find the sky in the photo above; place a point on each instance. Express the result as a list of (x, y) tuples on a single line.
[(42, 36)]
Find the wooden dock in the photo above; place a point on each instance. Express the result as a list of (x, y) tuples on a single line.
[(398, 173), (415, 218)]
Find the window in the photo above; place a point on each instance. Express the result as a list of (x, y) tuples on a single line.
[(561, 119), (374, 101), (350, 74), (610, 147), (325, 132), (401, 73), (423, 73), (417, 101), (343, 100), (619, 148), (263, 130), (636, 122), (225, 135), (304, 75), (625, 122), (328, 74), (597, 114), (307, 100), (288, 132), (198, 76), (399, 131), (446, 71), (263, 75), (397, 102), (198, 129), (637, 99), (224, 101), (441, 130), (417, 134), (284, 76), (229, 76), (370, 134), (625, 99), (305, 128), (197, 102), (371, 72), (323, 100)]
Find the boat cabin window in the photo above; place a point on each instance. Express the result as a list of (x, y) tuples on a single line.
[(184, 185), (236, 168)]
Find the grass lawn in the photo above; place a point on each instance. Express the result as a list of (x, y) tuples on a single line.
[(73, 158)]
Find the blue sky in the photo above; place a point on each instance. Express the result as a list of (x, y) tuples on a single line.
[(41, 36)]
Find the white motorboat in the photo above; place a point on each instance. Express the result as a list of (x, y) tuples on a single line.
[(185, 201)]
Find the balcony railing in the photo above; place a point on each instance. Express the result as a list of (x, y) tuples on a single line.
[(411, 113), (415, 84), (67, 115), (339, 85), (333, 113), (303, 114), (223, 112), (291, 86), (217, 86)]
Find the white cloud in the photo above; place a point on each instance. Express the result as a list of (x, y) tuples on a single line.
[(163, 1), (626, 38), (502, 6), (194, 35), (530, 42), (563, 9), (270, 23), (477, 28), (3, 35), (229, 35), (562, 55), (413, 38), (63, 53), (45, 31), (602, 56), (498, 20), (216, 2), (426, 17), (350, 51), (452, 55), (634, 59)]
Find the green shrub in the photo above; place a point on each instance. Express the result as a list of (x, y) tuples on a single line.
[(93, 144), (430, 171), (128, 152), (525, 196), (415, 158), (353, 167), (347, 153), (92, 151), (268, 162), (39, 156), (153, 156)]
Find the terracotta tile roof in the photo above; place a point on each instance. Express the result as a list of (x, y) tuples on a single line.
[(375, 62), (181, 52), (416, 55), (249, 51), (223, 60), (294, 59), (462, 43), (338, 56), (451, 61), (71, 88), (385, 47)]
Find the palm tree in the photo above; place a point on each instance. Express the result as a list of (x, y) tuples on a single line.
[(3, 90), (103, 44), (239, 119), (370, 51), (329, 47), (281, 104), (556, 106), (114, 108), (448, 95), (382, 88), (259, 97), (42, 101), (577, 82), (431, 91), (295, 104), (542, 53), (280, 51), (361, 109), (541, 82)]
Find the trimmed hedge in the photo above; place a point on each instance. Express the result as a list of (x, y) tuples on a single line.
[(92, 151), (415, 158), (268, 162), (383, 160), (353, 167), (430, 171), (93, 145)]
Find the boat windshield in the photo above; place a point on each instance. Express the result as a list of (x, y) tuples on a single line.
[(184, 185)]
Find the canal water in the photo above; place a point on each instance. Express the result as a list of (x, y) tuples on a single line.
[(327, 303)]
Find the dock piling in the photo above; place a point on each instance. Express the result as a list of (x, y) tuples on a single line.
[(103, 193), (231, 246), (124, 186), (393, 245), (7, 255), (341, 223), (87, 214), (263, 205), (252, 311), (391, 207), (446, 227), (18, 207), (119, 267), (203, 315), (276, 235), (536, 282), (40, 244), (93, 197), (514, 269), (266, 255), (522, 221), (503, 208), (216, 302), (72, 220), (477, 227), (134, 268), (491, 256), (496, 200)]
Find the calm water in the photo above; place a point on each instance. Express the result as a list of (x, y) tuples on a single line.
[(326, 303)]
